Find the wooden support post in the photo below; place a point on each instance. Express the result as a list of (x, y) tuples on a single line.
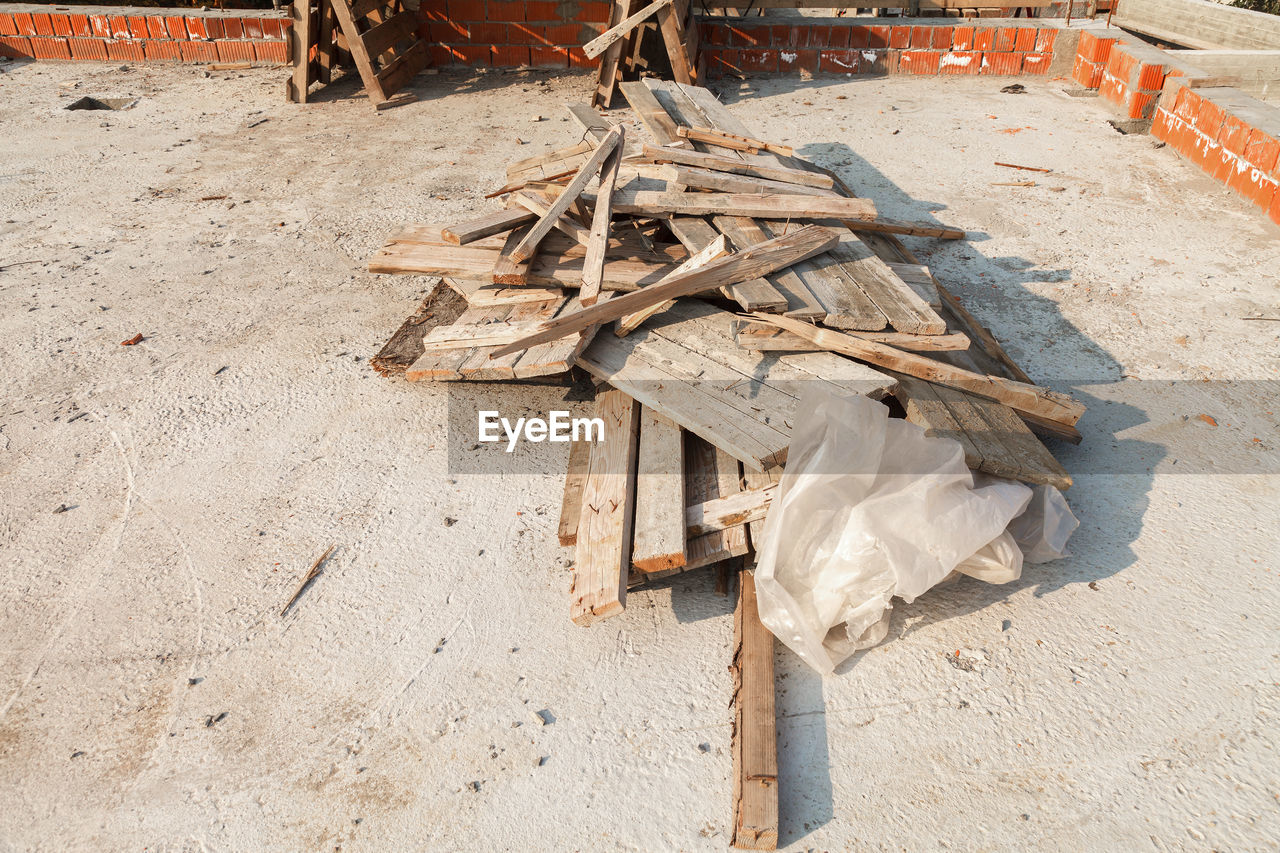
[(754, 740)]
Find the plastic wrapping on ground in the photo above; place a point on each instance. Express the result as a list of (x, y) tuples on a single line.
[(870, 508)]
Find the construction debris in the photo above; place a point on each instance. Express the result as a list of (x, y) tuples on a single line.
[(705, 279)]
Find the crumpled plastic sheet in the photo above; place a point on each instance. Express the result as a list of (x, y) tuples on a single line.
[(870, 508)]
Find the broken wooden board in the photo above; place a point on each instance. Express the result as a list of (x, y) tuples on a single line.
[(461, 351), (480, 295), (441, 307), (758, 206), (575, 479), (497, 222), (685, 364), (711, 474), (543, 166), (597, 45), (603, 557), (736, 166), (994, 439), (697, 235), (754, 738), (659, 540)]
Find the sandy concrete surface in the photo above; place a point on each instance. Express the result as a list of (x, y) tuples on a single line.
[(429, 691)]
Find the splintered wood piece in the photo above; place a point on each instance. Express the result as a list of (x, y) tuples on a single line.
[(790, 283), (721, 513), (712, 474), (597, 45), (538, 204), (608, 73), (765, 338), (756, 481), (697, 159), (508, 269), (759, 206), (734, 142), (1030, 399), (492, 223), (605, 526), (658, 544), (483, 296), (706, 179), (518, 169), (591, 121), (673, 35), (712, 251), (593, 264), (754, 738), (758, 260), (529, 244), (696, 235), (575, 479)]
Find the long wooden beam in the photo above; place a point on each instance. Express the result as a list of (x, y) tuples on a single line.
[(761, 259), (688, 157)]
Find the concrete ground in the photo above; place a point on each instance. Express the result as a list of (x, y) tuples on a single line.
[(428, 691)]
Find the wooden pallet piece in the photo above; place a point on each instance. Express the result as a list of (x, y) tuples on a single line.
[(717, 248), (623, 28), (384, 46), (603, 557), (710, 474), (593, 263), (575, 479), (659, 540), (754, 738), (671, 25), (607, 74), (498, 222), (508, 269), (685, 365)]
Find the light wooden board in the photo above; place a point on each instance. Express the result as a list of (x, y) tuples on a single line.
[(754, 738), (659, 540), (686, 365), (761, 336), (711, 474), (696, 235), (575, 479), (603, 557)]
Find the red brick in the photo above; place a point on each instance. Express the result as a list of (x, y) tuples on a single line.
[(800, 59), (8, 27), (1274, 212), (1162, 125), (900, 37), (549, 57), (1093, 48), (43, 24), (1086, 73), (566, 34), (130, 51), (1234, 135), (984, 39), (232, 28), (119, 27), (470, 54), (100, 25), (487, 33), (758, 59), (1182, 136), (26, 25), (137, 26), (155, 27), (275, 52), (1001, 64), (1263, 151), (1222, 164), (441, 55), (1025, 40), (1204, 153), (157, 50), (578, 59), (233, 50), (593, 12), (719, 62), (505, 11), (829, 38), (61, 25), (252, 27), (541, 10), (527, 34), (962, 38), (960, 62), (1151, 77), (199, 51), (1045, 40), (859, 36), (447, 31), (176, 26), (466, 10), (49, 48), (508, 55), (839, 61), (715, 35), (1141, 104), (1209, 120), (196, 28), (940, 38), (921, 38), (1112, 89), (1036, 63), (878, 36), (94, 49), (80, 25), (15, 47), (1188, 105), (919, 61), (1252, 183), (1006, 38), (272, 29), (883, 62), (1121, 64)]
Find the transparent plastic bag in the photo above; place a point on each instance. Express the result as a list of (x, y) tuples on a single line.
[(868, 508), (1043, 530)]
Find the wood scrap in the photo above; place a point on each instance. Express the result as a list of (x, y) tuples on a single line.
[(659, 541), (754, 738), (598, 241), (733, 141), (698, 159), (766, 338), (598, 44)]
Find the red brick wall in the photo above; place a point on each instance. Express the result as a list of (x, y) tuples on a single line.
[(866, 46), (1230, 136), (543, 33), (153, 35)]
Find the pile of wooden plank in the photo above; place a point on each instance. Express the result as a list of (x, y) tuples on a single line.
[(704, 278)]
